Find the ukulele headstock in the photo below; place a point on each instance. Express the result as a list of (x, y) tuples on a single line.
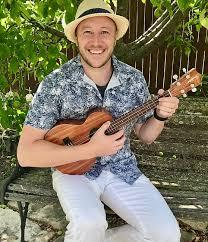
[(189, 81)]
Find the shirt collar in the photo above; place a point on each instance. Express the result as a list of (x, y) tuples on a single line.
[(112, 83)]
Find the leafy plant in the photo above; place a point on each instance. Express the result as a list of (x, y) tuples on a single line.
[(13, 109)]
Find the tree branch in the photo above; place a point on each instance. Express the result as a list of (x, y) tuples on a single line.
[(48, 29), (151, 39), (157, 25), (45, 28)]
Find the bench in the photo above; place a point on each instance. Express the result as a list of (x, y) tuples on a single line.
[(176, 163)]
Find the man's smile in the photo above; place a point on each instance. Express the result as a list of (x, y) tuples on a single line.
[(96, 52)]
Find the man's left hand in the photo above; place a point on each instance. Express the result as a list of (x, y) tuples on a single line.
[(167, 105)]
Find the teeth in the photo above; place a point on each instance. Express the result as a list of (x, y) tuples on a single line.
[(96, 51)]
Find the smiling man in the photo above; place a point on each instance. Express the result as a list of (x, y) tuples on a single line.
[(96, 78)]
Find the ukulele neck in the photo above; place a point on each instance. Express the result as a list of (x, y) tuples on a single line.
[(137, 112)]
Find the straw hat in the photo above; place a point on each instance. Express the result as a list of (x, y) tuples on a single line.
[(93, 8)]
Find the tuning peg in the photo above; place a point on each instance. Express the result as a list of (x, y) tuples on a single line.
[(184, 70), (178, 84), (194, 89), (184, 95), (175, 77)]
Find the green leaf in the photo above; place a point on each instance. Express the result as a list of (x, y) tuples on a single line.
[(187, 51), (2, 30), (51, 65), (19, 112), (198, 27), (29, 48), (61, 3), (43, 9), (155, 2), (184, 4), (70, 13), (3, 82), (53, 51), (14, 66), (203, 18), (5, 120), (15, 10), (2, 14), (4, 51), (21, 52), (158, 12), (24, 10)]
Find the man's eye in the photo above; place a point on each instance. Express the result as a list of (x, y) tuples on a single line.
[(87, 32), (105, 32)]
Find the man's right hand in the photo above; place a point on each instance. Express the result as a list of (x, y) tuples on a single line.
[(102, 145)]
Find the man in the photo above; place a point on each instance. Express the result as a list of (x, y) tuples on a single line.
[(95, 78)]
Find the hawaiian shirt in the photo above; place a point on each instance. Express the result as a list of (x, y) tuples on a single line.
[(67, 93)]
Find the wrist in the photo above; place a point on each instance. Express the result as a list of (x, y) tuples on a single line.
[(91, 151), (156, 116)]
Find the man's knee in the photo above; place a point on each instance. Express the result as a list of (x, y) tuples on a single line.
[(86, 229), (93, 223), (173, 233), (167, 232)]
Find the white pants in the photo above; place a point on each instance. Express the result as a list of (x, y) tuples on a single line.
[(148, 217)]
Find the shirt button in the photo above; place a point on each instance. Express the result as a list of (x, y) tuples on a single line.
[(113, 92)]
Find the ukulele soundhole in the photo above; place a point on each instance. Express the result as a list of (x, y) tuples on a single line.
[(67, 141), (92, 132)]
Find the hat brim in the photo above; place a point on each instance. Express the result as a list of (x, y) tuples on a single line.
[(121, 23)]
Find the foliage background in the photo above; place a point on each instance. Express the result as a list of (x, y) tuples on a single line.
[(32, 43)]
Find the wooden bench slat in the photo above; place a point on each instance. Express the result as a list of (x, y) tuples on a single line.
[(31, 189), (30, 198)]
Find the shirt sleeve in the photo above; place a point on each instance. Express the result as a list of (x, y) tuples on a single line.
[(44, 109), (143, 95)]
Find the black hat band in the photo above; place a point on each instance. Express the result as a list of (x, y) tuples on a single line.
[(94, 10)]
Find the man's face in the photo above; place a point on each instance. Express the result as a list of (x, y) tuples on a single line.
[(96, 38)]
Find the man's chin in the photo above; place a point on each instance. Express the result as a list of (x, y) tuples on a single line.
[(97, 64), (95, 61)]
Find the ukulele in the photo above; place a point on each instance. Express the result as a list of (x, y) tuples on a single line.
[(77, 132)]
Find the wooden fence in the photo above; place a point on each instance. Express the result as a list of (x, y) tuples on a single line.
[(160, 66)]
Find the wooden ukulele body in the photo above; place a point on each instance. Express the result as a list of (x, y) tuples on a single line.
[(76, 132)]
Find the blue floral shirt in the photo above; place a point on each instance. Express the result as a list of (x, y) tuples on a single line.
[(68, 93)]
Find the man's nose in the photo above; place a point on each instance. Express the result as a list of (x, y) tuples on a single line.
[(96, 38)]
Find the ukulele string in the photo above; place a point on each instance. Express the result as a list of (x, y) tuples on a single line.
[(151, 104)]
